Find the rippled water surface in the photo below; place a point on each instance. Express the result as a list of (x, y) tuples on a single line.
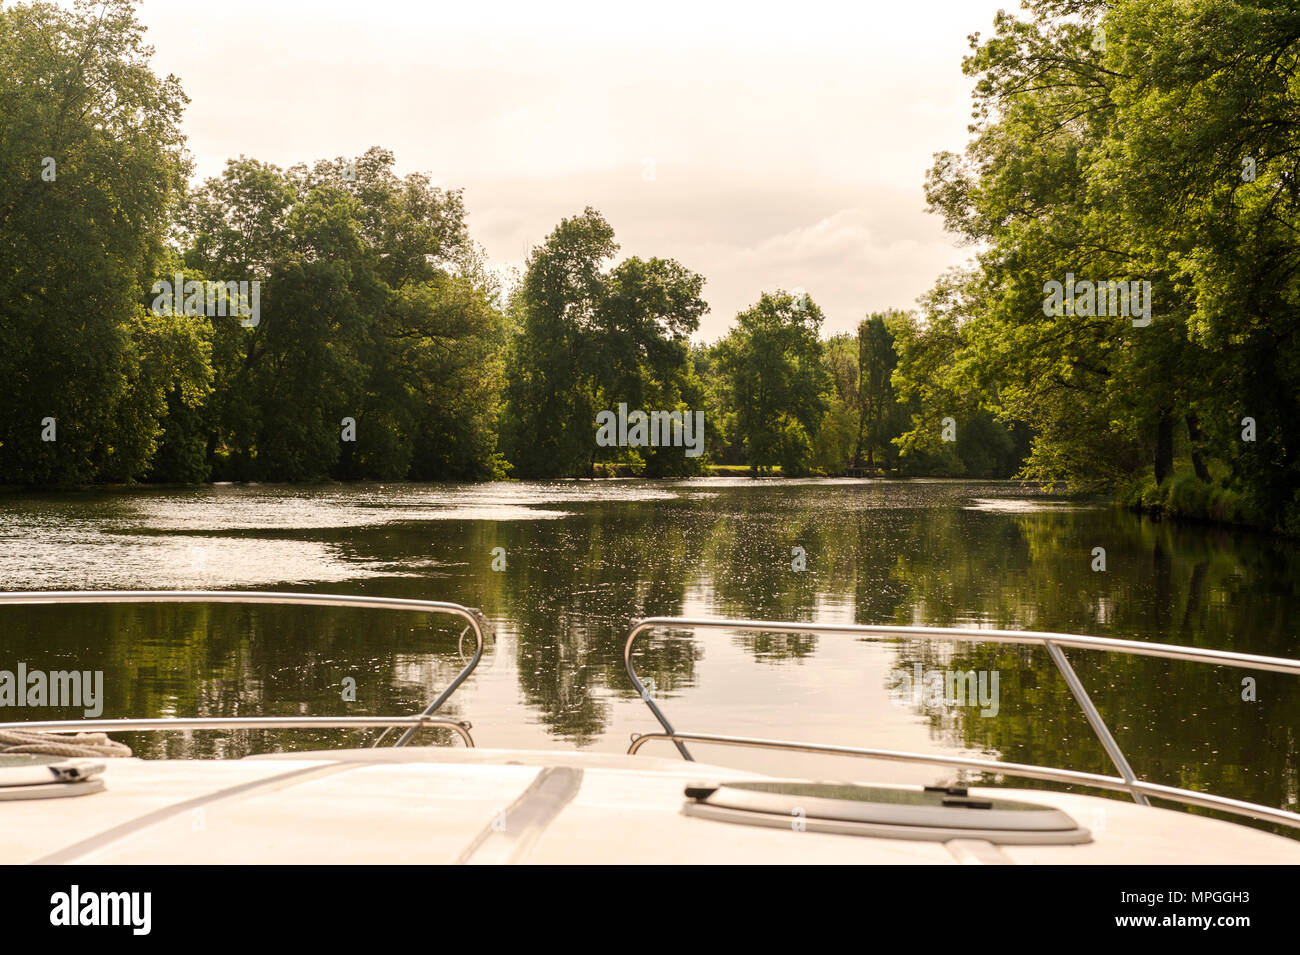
[(582, 559)]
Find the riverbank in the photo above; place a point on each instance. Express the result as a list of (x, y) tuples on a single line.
[(1187, 498)]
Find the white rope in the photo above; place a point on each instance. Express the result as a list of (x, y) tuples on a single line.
[(61, 744)]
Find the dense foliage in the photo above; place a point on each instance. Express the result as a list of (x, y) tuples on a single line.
[(1150, 144), (590, 338), (1136, 142)]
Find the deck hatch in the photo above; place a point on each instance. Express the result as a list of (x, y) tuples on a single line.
[(883, 812)]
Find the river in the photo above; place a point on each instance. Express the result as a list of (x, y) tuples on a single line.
[(581, 559)]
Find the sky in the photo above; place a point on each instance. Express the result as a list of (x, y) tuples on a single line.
[(762, 145)]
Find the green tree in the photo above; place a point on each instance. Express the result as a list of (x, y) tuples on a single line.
[(723, 444), (1043, 188), (91, 160), (776, 380), (590, 337), (550, 394), (377, 311), (938, 394), (836, 438), (1218, 197), (878, 408)]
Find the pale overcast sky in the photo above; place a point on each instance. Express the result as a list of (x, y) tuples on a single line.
[(788, 142)]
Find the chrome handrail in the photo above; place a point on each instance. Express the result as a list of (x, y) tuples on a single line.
[(170, 724), (413, 723), (1127, 781)]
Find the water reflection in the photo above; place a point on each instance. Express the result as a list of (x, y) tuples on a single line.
[(582, 560)]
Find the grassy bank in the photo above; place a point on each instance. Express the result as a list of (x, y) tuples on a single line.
[(1188, 498)]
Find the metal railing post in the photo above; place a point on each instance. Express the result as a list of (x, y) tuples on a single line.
[(637, 627), (1094, 719)]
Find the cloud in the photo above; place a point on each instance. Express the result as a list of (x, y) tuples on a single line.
[(743, 237), (788, 150), (851, 263)]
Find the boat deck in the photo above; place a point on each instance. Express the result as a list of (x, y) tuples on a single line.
[(422, 805)]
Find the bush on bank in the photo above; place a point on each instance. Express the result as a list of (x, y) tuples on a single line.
[(1186, 497)]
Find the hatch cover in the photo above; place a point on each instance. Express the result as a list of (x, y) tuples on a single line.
[(935, 814)]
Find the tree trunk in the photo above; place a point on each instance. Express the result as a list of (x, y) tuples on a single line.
[(1164, 447), (1198, 462)]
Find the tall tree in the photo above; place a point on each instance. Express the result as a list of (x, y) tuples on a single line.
[(836, 441), (378, 350), (1040, 189), (877, 360), (776, 380), (91, 160), (589, 338), (1218, 196)]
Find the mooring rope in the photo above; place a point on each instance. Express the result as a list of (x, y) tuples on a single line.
[(61, 744)]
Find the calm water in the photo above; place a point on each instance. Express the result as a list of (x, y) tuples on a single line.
[(582, 559)]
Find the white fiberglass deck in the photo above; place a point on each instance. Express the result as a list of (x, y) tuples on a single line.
[(419, 805)]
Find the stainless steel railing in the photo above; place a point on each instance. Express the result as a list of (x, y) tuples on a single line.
[(413, 723), (1127, 781)]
